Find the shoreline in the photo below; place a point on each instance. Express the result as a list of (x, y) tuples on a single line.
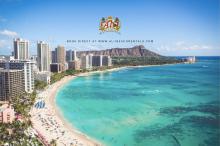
[(67, 124), (51, 114), (52, 100), (51, 111), (72, 135)]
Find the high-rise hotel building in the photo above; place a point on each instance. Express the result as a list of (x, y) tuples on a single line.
[(27, 67), (69, 55), (101, 60), (60, 54), (97, 60), (74, 55), (43, 56), (86, 61), (106, 60), (53, 57), (72, 60), (21, 49), (11, 84), (61, 57)]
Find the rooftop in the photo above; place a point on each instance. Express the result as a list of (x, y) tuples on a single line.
[(9, 70)]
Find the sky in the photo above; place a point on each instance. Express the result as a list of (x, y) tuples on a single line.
[(177, 27)]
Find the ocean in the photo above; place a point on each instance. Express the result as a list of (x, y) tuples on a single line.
[(169, 105)]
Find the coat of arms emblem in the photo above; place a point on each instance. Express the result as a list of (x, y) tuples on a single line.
[(110, 24)]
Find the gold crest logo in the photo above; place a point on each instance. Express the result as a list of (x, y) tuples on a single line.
[(110, 24)]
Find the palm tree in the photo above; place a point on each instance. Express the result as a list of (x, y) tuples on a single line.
[(29, 123), (53, 142)]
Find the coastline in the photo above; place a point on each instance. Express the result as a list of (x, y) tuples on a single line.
[(84, 139), (72, 136), (52, 100)]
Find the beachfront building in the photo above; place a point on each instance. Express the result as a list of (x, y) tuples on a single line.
[(27, 67), (106, 61), (55, 67), (21, 49), (90, 60), (43, 56), (86, 61), (74, 57), (7, 113), (101, 60), (43, 76), (61, 57), (72, 60), (33, 59), (11, 84), (69, 55), (74, 65), (53, 57), (97, 60), (191, 59)]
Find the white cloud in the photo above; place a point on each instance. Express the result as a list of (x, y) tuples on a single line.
[(195, 47), (181, 45), (8, 33), (206, 47), (192, 47), (163, 48)]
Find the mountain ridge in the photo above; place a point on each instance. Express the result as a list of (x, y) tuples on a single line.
[(136, 51)]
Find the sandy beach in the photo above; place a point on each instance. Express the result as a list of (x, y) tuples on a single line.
[(49, 122)]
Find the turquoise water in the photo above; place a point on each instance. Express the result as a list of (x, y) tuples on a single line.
[(168, 105)]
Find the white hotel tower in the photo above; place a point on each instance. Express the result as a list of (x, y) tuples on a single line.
[(21, 49), (27, 68), (43, 56)]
